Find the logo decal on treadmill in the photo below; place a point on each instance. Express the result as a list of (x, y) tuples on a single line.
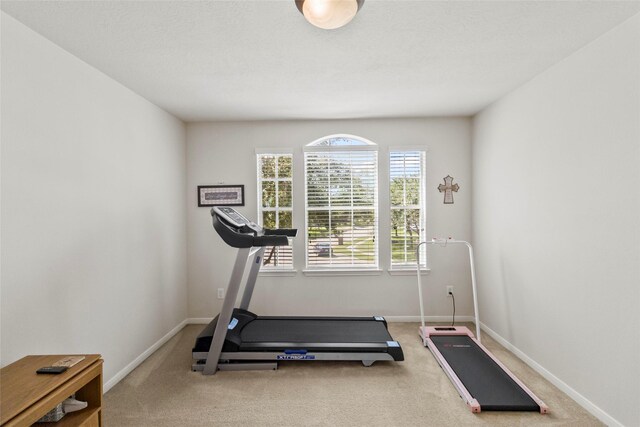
[(295, 357)]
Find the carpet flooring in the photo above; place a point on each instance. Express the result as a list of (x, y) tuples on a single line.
[(163, 391)]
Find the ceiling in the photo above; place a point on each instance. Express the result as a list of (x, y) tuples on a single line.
[(260, 60)]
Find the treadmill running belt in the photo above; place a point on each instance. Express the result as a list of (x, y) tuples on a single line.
[(492, 387), (315, 331)]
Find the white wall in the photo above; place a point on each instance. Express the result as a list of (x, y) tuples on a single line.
[(93, 209), (556, 221), (225, 152)]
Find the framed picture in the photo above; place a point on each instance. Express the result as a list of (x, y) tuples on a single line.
[(220, 195)]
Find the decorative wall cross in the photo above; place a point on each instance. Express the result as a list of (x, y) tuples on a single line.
[(448, 188)]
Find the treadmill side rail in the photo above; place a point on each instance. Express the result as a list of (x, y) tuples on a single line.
[(310, 356), (264, 366), (252, 361)]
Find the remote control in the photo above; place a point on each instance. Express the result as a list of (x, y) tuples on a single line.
[(52, 370)]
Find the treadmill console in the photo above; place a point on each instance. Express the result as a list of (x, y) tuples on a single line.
[(234, 218)]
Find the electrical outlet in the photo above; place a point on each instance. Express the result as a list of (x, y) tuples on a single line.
[(220, 293), (449, 291)]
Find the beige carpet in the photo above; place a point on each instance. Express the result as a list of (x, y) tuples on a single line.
[(164, 392)]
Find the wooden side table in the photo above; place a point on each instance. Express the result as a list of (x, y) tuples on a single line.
[(25, 396)]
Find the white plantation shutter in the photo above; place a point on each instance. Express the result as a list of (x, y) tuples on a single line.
[(341, 205), (408, 219), (275, 205)]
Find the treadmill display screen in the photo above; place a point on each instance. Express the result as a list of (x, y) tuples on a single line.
[(232, 216)]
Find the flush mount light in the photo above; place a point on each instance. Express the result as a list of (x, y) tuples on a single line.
[(329, 14)]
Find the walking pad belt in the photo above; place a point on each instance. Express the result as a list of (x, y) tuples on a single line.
[(485, 380)]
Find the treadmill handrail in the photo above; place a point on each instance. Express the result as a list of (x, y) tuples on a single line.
[(289, 232), (445, 242)]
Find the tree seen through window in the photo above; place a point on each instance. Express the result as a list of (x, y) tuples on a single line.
[(275, 181)]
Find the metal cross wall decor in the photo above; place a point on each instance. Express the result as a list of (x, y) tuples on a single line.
[(448, 188)]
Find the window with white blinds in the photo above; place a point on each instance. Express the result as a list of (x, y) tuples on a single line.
[(341, 205), (407, 196), (275, 204)]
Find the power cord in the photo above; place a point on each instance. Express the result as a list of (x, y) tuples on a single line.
[(453, 301)]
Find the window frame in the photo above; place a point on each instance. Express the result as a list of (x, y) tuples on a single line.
[(401, 268), (315, 147), (260, 153)]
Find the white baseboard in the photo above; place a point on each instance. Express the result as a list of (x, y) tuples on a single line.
[(199, 320), (138, 360), (580, 399), (403, 319)]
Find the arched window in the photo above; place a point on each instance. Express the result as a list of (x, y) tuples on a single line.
[(341, 141), (341, 203)]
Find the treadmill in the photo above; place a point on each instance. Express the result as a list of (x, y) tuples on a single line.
[(482, 381), (237, 339)]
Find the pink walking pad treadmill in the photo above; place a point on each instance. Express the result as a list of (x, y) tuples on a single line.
[(482, 381)]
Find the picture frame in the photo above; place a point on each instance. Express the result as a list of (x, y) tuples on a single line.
[(220, 195)]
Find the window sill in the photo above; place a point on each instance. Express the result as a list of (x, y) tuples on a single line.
[(343, 272), (407, 271), (278, 273)]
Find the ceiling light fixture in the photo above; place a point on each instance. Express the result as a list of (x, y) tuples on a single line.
[(329, 14)]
